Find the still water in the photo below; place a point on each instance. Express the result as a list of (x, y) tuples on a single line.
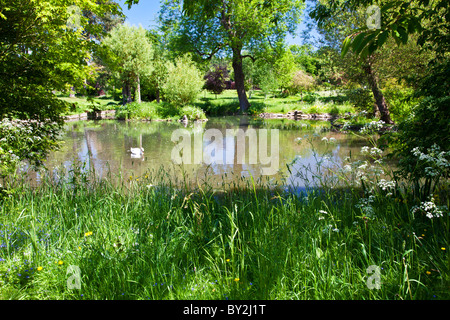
[(296, 150)]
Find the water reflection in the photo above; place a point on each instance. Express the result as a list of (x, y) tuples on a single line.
[(135, 148)]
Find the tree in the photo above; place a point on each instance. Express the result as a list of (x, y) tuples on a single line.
[(43, 47), (285, 68), (129, 54), (233, 26), (302, 82), (215, 79), (336, 22)]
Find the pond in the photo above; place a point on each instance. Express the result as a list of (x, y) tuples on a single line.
[(282, 151)]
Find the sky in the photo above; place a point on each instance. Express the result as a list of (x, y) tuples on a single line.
[(146, 12)]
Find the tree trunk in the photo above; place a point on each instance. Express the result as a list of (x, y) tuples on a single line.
[(378, 95), (126, 93), (158, 99), (138, 90), (239, 79)]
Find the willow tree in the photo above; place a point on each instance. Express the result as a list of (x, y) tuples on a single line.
[(129, 56), (240, 28)]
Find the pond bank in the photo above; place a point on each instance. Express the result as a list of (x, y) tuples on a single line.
[(299, 115), (111, 115)]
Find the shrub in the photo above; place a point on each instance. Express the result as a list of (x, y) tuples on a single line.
[(301, 82), (215, 79), (425, 130), (136, 110), (184, 82), (25, 140), (193, 113), (400, 99), (361, 99)]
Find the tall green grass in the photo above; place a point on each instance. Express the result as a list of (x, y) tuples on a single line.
[(159, 237)]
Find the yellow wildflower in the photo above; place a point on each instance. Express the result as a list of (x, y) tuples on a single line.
[(428, 272), (443, 249), (60, 262), (228, 260), (87, 234), (39, 268), (236, 279)]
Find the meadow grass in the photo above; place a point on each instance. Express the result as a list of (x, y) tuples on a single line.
[(84, 104), (317, 102), (159, 237)]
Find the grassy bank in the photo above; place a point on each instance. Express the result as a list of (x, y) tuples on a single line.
[(209, 104), (152, 237), (317, 102)]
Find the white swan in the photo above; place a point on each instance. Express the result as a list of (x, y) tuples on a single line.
[(137, 152)]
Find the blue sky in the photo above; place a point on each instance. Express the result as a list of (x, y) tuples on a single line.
[(146, 11)]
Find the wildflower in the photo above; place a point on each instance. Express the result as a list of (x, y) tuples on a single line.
[(323, 211), (87, 234), (228, 260), (60, 262), (443, 249), (428, 272), (236, 279), (39, 268)]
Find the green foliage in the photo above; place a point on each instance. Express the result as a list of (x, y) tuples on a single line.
[(136, 110), (157, 111), (428, 124), (45, 46), (192, 113), (25, 140), (184, 82), (301, 82), (41, 52), (401, 100), (361, 99), (128, 53), (208, 28)]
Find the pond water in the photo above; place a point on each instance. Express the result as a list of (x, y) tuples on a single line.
[(295, 151)]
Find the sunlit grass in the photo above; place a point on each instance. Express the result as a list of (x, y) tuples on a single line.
[(152, 237)]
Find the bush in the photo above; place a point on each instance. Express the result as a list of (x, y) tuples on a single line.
[(361, 99), (301, 82), (184, 82), (215, 79), (136, 110), (425, 130), (400, 100), (193, 113), (25, 140)]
